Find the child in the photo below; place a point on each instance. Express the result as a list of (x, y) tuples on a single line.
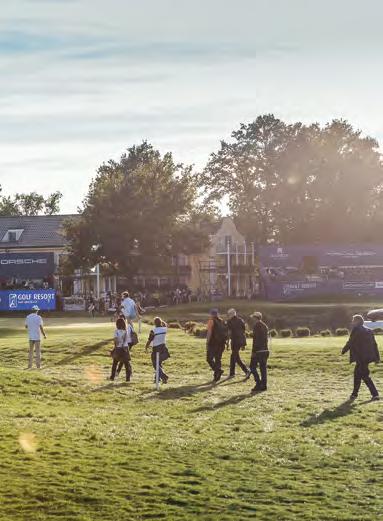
[(157, 338), (120, 353)]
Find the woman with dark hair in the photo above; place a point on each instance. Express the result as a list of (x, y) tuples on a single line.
[(157, 337), (121, 353)]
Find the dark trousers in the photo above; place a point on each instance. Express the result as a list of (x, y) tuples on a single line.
[(128, 369), (235, 359), (162, 374), (214, 359), (362, 372), (259, 360)]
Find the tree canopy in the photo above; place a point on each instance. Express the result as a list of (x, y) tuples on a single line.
[(138, 212), (292, 183), (30, 204)]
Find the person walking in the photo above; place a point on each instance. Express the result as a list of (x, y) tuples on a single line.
[(237, 334), (260, 353), (128, 307), (121, 353), (157, 338), (217, 337), (363, 351), (35, 326)]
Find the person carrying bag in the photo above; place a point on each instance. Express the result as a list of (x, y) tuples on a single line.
[(120, 353), (157, 337)]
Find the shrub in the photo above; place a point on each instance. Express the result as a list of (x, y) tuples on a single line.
[(273, 333), (190, 325), (174, 325), (342, 331), (325, 332), (338, 317), (377, 331), (286, 333), (200, 332), (301, 332)]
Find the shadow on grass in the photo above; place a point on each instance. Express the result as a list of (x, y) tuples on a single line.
[(8, 332), (110, 387), (234, 400), (175, 393), (341, 410), (84, 352)]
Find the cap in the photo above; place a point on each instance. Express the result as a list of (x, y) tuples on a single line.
[(231, 312), (257, 314), (214, 312), (35, 308)]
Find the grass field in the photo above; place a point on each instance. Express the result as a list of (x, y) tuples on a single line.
[(77, 447)]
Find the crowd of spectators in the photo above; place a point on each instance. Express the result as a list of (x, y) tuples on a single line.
[(17, 283)]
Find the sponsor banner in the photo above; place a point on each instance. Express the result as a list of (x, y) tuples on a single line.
[(326, 255), (26, 265), (24, 300), (359, 286), (290, 290), (74, 304)]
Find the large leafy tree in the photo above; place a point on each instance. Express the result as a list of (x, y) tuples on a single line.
[(30, 204), (138, 212), (299, 183)]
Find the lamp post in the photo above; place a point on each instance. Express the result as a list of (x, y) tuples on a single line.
[(95, 248)]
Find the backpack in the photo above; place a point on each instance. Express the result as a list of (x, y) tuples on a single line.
[(133, 336), (220, 331)]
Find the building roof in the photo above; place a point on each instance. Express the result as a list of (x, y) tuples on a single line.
[(38, 231)]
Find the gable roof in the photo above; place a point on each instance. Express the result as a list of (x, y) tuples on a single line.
[(39, 231)]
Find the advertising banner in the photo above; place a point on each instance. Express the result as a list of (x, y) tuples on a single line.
[(291, 290), (26, 265), (327, 255), (74, 303), (24, 300)]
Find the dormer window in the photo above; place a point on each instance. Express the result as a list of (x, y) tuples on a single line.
[(12, 236)]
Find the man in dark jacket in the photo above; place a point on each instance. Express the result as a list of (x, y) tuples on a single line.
[(237, 335), (215, 343), (260, 353), (363, 350)]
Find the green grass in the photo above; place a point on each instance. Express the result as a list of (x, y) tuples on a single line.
[(192, 451)]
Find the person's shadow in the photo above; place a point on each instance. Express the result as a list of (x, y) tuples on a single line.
[(343, 409), (234, 400), (86, 351), (175, 393)]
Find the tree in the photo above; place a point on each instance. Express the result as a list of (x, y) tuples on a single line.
[(292, 183), (138, 212), (30, 204)]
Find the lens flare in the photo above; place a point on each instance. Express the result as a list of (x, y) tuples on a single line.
[(28, 442), (93, 374)]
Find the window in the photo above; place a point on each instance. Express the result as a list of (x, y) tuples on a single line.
[(12, 235)]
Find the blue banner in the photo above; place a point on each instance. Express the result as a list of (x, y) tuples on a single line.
[(326, 255), (24, 300)]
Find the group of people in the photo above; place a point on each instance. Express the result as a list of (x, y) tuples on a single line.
[(221, 334), (125, 339)]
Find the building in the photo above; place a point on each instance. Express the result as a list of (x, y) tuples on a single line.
[(228, 267), (30, 251)]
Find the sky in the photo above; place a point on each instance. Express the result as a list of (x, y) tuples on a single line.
[(82, 80)]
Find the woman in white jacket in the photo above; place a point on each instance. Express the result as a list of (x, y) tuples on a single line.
[(157, 337)]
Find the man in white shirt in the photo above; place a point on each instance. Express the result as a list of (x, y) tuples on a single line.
[(128, 307), (34, 324)]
